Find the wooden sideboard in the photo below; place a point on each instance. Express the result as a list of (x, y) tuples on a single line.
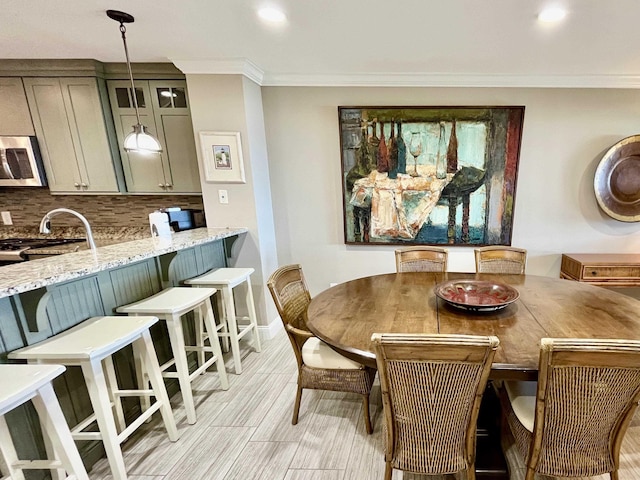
[(605, 269)]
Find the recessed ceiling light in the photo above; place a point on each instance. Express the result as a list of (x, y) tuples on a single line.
[(272, 15), (552, 14)]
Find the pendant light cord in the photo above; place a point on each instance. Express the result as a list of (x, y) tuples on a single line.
[(123, 29)]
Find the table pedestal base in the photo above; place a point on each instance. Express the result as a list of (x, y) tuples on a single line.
[(490, 461)]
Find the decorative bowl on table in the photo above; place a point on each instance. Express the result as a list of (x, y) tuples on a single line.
[(476, 295)]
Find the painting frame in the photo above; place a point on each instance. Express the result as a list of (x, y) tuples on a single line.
[(455, 185), (222, 157)]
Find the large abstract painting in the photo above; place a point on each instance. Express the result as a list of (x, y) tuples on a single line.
[(429, 175)]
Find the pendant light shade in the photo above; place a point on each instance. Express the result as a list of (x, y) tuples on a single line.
[(140, 140)]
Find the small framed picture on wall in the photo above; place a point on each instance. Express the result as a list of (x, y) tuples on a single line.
[(222, 156)]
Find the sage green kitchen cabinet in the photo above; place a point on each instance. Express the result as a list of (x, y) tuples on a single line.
[(164, 110), (15, 118), (73, 135)]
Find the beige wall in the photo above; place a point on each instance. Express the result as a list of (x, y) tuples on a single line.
[(232, 103), (566, 132)]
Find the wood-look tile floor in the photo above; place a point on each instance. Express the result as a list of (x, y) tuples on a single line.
[(245, 433)]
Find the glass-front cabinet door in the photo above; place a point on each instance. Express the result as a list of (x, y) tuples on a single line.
[(171, 111), (164, 110)]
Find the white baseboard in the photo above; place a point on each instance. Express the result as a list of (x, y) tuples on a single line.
[(270, 331)]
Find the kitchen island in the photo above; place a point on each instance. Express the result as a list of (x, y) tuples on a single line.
[(22, 277), (41, 298)]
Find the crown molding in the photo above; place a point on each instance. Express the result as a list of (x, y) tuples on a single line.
[(453, 80), (237, 66), (249, 69), (61, 67)]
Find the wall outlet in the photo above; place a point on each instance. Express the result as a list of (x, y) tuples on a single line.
[(6, 218), (223, 196)]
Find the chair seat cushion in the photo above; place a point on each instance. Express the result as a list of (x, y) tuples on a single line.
[(522, 396), (317, 354)]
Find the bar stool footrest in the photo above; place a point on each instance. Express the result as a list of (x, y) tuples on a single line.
[(37, 465), (85, 423), (196, 372), (126, 433)]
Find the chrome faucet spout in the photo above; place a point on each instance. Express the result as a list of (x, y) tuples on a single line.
[(45, 224)]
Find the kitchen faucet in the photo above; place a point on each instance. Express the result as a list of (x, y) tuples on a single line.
[(45, 224)]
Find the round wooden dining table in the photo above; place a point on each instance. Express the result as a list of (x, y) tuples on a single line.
[(346, 315)]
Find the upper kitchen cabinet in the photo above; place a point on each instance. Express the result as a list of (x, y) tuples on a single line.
[(73, 134), (15, 118), (164, 110)]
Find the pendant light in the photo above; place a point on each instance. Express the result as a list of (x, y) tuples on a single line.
[(139, 140)]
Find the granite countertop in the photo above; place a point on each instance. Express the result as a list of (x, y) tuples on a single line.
[(102, 236), (25, 276), (75, 247)]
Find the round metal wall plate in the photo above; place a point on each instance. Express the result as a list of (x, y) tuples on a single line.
[(617, 180)]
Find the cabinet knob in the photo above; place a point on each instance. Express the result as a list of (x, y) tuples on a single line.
[(84, 185), (168, 185), (76, 184), (161, 185)]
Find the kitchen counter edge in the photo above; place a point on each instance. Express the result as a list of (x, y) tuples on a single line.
[(26, 276)]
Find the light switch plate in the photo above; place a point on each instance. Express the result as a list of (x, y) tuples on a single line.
[(223, 196), (6, 218)]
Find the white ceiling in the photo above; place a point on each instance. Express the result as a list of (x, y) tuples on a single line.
[(347, 42)]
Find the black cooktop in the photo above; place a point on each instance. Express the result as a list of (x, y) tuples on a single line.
[(22, 243)]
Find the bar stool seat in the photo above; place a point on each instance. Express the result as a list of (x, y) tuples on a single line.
[(18, 385), (225, 280), (169, 305), (90, 346)]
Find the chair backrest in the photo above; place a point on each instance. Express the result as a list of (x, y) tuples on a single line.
[(432, 386), (291, 295), (588, 391), (421, 259), (499, 259)]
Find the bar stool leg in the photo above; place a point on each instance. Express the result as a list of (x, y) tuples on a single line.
[(253, 318), (206, 312), (55, 427), (8, 451), (145, 346), (112, 385), (56, 473), (99, 394), (230, 311), (223, 322), (141, 376), (199, 332), (176, 337)]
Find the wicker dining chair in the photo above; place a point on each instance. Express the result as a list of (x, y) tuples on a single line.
[(319, 366), (571, 424), (500, 259), (432, 386), (421, 259)]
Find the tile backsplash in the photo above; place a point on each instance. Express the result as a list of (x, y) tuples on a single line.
[(28, 205)]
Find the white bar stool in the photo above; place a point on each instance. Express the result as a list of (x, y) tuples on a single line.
[(18, 385), (169, 305), (90, 346), (226, 279)]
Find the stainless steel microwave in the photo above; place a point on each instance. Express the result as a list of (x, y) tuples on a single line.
[(20, 162)]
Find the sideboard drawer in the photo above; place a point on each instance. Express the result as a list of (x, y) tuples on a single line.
[(612, 272)]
